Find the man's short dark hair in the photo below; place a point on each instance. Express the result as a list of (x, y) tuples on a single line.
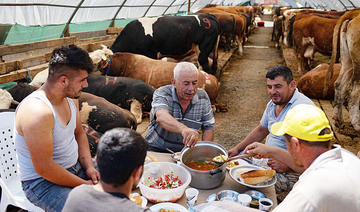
[(69, 58), (280, 70), (324, 144), (120, 151)]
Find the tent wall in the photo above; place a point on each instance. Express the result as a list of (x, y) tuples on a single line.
[(23, 21)]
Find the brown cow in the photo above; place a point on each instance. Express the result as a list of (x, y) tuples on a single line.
[(156, 73), (288, 15), (347, 85), (312, 83), (311, 34), (277, 30)]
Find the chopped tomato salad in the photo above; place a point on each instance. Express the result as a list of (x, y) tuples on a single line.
[(166, 181)]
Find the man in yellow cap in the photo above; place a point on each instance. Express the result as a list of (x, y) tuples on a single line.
[(330, 181)]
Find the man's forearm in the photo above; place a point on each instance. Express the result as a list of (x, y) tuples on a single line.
[(256, 135), (285, 157), (169, 123), (208, 135), (57, 174), (84, 151)]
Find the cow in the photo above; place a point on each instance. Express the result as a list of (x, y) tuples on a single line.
[(347, 85), (310, 35), (94, 111), (102, 115), (93, 138), (226, 23), (131, 94), (288, 18), (96, 56), (40, 78), (277, 33), (156, 73), (312, 83), (257, 9), (230, 24), (100, 54), (6, 100), (171, 35)]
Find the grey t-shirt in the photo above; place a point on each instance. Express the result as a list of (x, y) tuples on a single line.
[(85, 198)]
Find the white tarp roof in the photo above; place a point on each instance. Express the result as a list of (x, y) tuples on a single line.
[(51, 12)]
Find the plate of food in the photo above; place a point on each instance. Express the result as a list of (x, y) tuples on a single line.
[(253, 176), (238, 162), (149, 158), (168, 207), (138, 199)]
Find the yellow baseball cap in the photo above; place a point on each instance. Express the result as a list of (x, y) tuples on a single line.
[(305, 122)]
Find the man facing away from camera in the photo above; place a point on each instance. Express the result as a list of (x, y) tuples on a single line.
[(120, 157), (51, 146), (330, 181)]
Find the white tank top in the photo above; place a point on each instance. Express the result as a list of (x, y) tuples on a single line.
[(65, 147)]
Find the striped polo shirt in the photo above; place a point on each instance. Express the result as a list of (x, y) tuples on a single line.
[(198, 115)]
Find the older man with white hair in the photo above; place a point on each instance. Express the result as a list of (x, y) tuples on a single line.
[(179, 111)]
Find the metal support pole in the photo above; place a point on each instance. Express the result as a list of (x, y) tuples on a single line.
[(169, 7), (112, 24), (66, 31), (149, 8)]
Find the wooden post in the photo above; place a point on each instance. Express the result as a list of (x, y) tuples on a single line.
[(189, 2)]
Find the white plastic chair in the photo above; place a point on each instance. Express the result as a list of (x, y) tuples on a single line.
[(11, 191)]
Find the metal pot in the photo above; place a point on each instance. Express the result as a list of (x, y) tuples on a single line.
[(204, 151)]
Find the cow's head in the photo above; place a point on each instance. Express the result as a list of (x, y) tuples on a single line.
[(6, 99), (100, 55)]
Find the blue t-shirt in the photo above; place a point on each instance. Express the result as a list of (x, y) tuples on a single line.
[(269, 117)]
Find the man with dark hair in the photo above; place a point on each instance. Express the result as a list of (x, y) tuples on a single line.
[(51, 146), (331, 177), (284, 95), (120, 156)]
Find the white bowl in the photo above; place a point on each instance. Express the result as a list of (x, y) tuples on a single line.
[(158, 169)]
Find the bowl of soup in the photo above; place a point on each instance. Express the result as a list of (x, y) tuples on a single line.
[(205, 173)]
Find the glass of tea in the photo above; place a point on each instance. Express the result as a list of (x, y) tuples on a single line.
[(265, 204)]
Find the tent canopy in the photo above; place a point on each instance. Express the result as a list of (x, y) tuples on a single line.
[(29, 20), (52, 12)]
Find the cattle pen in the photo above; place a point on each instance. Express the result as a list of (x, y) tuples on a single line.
[(23, 61), (241, 90)]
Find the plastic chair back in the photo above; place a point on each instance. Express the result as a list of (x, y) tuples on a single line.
[(11, 191), (8, 162)]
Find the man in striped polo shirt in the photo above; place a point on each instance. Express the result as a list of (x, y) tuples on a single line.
[(179, 111)]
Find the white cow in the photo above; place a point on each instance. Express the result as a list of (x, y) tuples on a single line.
[(6, 99)]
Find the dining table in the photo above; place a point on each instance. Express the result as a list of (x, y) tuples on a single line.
[(228, 184)]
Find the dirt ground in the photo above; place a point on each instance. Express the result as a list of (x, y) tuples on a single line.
[(243, 88)]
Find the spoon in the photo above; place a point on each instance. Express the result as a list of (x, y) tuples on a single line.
[(231, 158)]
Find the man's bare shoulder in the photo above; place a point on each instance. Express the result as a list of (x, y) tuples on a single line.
[(33, 112)]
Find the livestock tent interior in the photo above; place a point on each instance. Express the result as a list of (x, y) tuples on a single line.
[(25, 21)]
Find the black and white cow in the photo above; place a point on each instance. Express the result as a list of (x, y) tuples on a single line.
[(131, 94), (95, 111), (172, 36)]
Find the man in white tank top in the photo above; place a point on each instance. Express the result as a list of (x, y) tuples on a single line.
[(52, 148)]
